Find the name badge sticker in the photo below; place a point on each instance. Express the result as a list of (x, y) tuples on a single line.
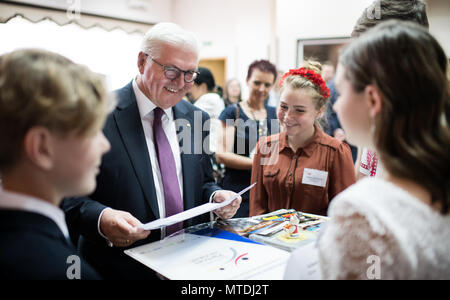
[(314, 177)]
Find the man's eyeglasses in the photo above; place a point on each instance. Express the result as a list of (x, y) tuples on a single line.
[(173, 73)]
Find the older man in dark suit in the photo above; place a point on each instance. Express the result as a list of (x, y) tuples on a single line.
[(157, 165)]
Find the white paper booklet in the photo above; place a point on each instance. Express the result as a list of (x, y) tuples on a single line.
[(196, 257), (191, 213)]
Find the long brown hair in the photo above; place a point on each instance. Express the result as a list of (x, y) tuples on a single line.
[(412, 134)]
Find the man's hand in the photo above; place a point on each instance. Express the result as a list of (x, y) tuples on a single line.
[(121, 228), (230, 210)]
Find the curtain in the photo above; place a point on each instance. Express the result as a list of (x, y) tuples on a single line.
[(109, 51)]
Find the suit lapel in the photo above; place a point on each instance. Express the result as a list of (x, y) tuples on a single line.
[(130, 128)]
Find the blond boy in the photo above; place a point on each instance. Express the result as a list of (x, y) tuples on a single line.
[(51, 115)]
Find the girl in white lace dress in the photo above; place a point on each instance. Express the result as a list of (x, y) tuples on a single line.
[(394, 98)]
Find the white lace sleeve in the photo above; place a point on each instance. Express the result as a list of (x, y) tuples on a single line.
[(355, 245)]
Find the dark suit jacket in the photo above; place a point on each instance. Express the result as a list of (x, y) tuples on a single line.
[(33, 247), (332, 118), (126, 183)]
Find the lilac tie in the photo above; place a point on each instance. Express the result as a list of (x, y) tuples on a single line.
[(172, 196)]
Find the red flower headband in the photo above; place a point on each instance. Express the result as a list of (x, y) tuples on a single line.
[(311, 76)]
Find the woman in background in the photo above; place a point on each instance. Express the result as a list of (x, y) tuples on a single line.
[(232, 92), (243, 124)]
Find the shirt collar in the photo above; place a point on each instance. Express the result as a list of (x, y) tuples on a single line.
[(15, 201), (308, 149), (145, 105)]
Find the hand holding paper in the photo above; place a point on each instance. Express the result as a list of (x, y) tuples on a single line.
[(228, 211), (121, 228), (196, 211)]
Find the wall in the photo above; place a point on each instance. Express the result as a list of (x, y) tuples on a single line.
[(439, 19), (240, 30), (245, 30), (306, 19)]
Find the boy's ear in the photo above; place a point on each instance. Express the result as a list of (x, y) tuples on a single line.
[(373, 100), (38, 147)]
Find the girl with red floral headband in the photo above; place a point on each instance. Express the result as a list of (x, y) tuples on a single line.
[(301, 168)]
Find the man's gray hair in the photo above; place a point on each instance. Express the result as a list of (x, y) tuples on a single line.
[(168, 33)]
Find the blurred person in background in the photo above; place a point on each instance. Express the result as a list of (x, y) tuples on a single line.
[(232, 92), (204, 97)]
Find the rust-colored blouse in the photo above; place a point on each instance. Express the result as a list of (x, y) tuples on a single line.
[(283, 182)]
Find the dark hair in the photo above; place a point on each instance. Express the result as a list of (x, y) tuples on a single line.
[(219, 90), (382, 10), (264, 66), (205, 76), (412, 134)]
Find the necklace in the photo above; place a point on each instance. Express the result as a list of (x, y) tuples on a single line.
[(262, 124)]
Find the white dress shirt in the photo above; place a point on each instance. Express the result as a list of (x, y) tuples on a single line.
[(146, 107), (14, 201)]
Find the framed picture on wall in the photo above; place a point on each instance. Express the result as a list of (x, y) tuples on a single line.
[(325, 50)]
